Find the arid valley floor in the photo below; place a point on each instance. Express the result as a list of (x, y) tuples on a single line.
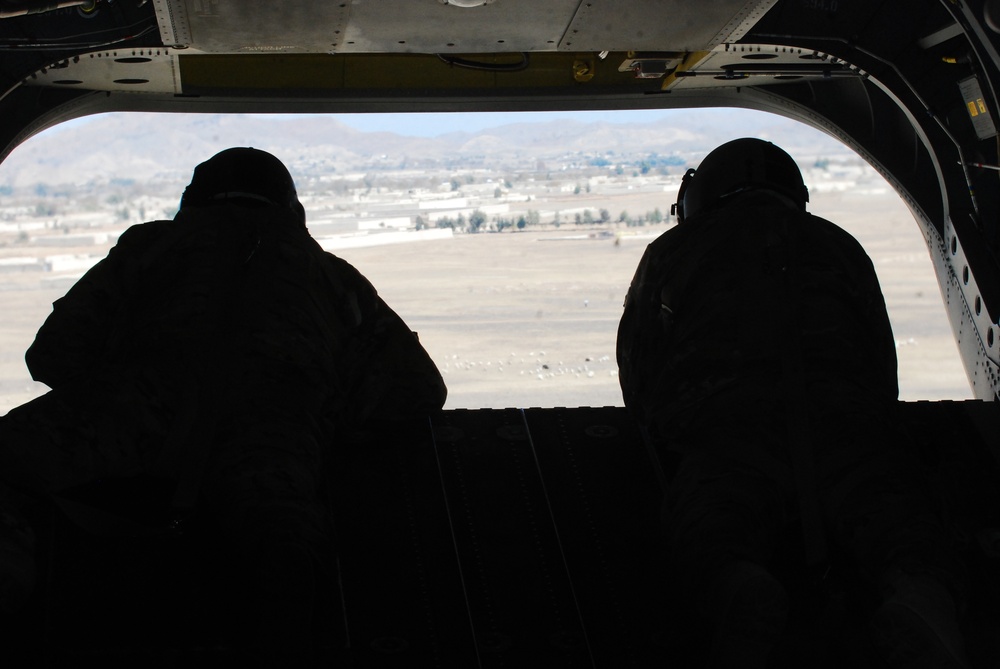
[(529, 319)]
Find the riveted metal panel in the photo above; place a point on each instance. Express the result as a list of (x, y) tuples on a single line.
[(503, 25), (750, 64), (132, 70), (654, 25), (230, 26)]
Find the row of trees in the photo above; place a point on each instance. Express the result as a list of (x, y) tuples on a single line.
[(477, 221), (586, 217)]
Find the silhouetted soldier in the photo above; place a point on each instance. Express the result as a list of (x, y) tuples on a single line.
[(755, 343), (226, 349)]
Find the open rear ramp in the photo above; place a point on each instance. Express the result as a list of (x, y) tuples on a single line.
[(485, 538)]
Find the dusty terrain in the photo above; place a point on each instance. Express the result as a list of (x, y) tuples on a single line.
[(529, 319)]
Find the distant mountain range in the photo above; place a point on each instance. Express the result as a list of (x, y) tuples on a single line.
[(166, 147)]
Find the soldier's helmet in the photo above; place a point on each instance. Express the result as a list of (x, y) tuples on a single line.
[(737, 167), (249, 176)]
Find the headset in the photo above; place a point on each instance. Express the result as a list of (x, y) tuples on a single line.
[(245, 175), (677, 209), (737, 167)]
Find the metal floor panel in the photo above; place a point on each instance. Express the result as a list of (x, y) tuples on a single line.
[(605, 499), (403, 603), (520, 596), (482, 538)]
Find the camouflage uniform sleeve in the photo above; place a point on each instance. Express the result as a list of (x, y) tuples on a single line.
[(629, 328), (871, 304), (75, 338), (642, 332), (393, 376), (885, 341)]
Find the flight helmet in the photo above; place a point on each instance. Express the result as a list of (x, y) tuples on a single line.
[(248, 176), (736, 167)]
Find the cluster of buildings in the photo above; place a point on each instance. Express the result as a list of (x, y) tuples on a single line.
[(63, 232)]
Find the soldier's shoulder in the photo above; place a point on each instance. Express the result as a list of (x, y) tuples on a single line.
[(144, 233), (820, 226)]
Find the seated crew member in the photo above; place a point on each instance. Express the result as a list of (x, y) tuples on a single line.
[(226, 349), (755, 343)]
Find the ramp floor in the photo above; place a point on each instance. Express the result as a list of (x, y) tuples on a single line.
[(481, 538)]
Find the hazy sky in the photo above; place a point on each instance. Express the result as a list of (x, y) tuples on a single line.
[(432, 124)]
